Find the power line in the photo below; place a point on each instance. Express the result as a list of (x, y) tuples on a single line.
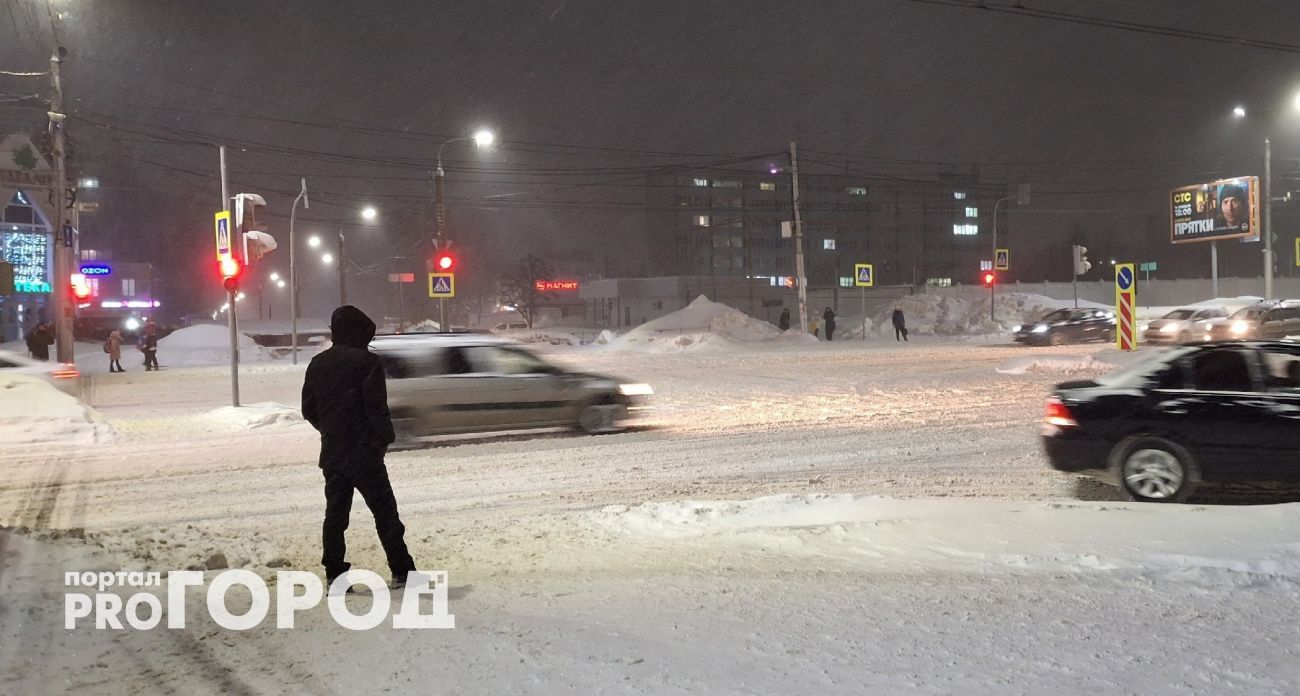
[(1019, 9)]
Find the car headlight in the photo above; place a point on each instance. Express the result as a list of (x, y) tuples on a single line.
[(1041, 328), (1016, 328), (635, 390), (1240, 327), (1169, 328), (1144, 326), (1209, 326)]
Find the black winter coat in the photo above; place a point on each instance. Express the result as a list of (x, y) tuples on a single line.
[(344, 396)]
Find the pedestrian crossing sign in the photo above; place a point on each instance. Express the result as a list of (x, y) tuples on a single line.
[(222, 224), (864, 275), (1002, 260), (442, 285)]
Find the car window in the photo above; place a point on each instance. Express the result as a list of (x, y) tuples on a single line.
[(1179, 314), (1080, 315), (1056, 315), (1209, 314), (1221, 370), (1247, 313), (466, 360), (513, 361), (1281, 369), (1148, 371)]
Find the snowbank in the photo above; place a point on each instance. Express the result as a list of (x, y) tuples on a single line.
[(703, 324), (32, 411), (206, 344), (944, 315), (1202, 545), (251, 416)]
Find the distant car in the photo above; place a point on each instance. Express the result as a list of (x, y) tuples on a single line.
[(1062, 326), (1273, 320), (463, 383), (510, 326), (1182, 325), (1225, 411), (61, 375)]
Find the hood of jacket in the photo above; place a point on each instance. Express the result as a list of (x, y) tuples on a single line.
[(350, 326)]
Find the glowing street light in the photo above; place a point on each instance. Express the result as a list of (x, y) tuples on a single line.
[(279, 283), (313, 241), (274, 276), (483, 138), (368, 213), (327, 259), (1239, 112)]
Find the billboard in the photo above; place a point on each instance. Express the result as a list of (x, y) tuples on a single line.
[(1223, 209)]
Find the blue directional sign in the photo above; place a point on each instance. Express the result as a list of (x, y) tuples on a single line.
[(1124, 277)]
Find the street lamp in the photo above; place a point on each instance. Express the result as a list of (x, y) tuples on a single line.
[(274, 276), (313, 241), (483, 138), (1267, 233), (327, 258), (279, 283), (368, 213)]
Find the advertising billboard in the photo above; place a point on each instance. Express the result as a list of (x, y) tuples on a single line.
[(1223, 209)]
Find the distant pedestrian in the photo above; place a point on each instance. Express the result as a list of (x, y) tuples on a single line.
[(149, 346), (345, 398), (113, 346), (900, 324), (829, 317), (39, 341), (784, 322), (814, 328)]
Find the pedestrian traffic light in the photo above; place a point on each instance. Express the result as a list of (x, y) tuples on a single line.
[(230, 268), (444, 262), (1081, 263), (989, 277)]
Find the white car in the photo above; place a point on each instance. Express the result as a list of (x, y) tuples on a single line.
[(60, 375), (1182, 325)]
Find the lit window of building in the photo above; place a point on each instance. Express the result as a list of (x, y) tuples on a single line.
[(828, 244), (767, 186), (972, 212), (856, 190), (959, 195), (965, 230), (702, 182), (701, 220), (722, 183)]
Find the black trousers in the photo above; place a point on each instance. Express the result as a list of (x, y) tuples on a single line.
[(830, 332), (900, 332), (372, 482), (150, 359)]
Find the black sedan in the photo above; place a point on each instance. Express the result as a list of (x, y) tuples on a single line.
[(1067, 326), (1215, 412)]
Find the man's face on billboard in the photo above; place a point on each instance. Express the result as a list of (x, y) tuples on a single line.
[(1231, 207)]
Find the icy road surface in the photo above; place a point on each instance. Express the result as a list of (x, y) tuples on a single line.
[(598, 564)]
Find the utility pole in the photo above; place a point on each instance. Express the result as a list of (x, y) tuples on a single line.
[(1268, 220), (231, 319), (439, 231), (800, 276), (343, 278), (293, 265), (62, 287)]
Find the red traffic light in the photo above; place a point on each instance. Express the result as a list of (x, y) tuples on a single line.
[(989, 277), (444, 262), (230, 268)]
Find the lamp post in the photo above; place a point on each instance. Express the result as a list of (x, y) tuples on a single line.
[(483, 139), (1239, 113), (1021, 197), (293, 269)]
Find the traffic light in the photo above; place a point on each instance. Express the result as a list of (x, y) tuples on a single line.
[(989, 278), (80, 287), (1081, 263), (230, 268), (444, 262)]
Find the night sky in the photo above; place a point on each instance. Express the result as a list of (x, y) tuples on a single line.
[(589, 97)]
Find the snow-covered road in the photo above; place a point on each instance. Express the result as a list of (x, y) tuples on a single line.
[(577, 567)]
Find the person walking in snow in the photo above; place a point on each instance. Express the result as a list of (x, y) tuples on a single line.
[(345, 398), (783, 323), (149, 346), (900, 324), (39, 342), (829, 317), (814, 328), (113, 346)]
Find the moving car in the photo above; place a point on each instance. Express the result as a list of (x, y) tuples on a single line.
[(1227, 411), (60, 375), (463, 383), (1271, 320), (1182, 325), (1061, 326)]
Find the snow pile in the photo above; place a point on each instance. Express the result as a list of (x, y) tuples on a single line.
[(206, 344), (425, 326), (1065, 364), (702, 324), (251, 416), (32, 411), (1185, 544), (944, 315)]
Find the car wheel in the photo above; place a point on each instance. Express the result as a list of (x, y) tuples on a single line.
[(1110, 336), (1056, 339), (1154, 470), (597, 418)]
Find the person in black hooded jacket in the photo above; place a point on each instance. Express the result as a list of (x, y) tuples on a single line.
[(345, 398)]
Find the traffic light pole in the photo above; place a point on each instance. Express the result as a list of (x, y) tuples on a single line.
[(61, 292), (231, 319), (801, 277), (343, 278)]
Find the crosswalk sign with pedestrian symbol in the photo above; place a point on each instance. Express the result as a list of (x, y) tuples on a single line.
[(1002, 260), (864, 275), (442, 285)]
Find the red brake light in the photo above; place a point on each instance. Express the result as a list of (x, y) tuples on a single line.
[(1058, 415)]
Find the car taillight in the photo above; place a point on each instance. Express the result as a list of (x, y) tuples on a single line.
[(1058, 415)]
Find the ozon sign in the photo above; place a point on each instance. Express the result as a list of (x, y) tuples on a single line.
[(556, 285)]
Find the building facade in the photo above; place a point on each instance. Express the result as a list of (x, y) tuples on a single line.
[(728, 224)]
